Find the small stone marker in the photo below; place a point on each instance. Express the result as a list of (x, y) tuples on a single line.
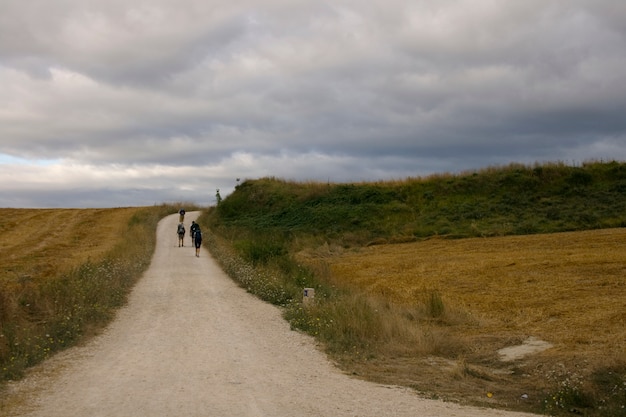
[(308, 296)]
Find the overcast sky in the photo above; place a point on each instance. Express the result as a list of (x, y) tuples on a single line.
[(108, 103)]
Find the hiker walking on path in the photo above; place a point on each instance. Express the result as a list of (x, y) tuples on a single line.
[(192, 231), (181, 234), (197, 240), (181, 213)]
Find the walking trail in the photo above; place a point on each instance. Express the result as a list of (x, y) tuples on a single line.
[(191, 343)]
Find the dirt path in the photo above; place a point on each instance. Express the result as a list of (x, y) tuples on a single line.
[(190, 342)]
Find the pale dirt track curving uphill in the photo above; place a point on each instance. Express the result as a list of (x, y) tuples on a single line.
[(190, 342)]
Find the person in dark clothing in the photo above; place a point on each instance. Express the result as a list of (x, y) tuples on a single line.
[(181, 212), (181, 234), (197, 240), (192, 231)]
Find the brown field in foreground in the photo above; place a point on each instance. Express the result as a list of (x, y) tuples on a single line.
[(38, 243), (568, 289)]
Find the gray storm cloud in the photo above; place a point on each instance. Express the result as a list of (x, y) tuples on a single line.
[(158, 100)]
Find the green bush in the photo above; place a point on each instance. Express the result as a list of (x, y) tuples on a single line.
[(260, 251)]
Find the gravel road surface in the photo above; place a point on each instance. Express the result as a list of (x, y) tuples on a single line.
[(191, 343)]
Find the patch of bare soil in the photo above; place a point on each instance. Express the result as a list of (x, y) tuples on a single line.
[(192, 343), (530, 346)]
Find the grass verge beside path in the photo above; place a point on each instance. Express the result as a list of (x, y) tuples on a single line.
[(64, 272)]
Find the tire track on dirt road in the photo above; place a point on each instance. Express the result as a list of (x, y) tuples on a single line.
[(191, 343)]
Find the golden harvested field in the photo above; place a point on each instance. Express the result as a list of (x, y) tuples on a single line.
[(568, 289), (37, 243)]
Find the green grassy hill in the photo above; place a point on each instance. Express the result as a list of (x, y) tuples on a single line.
[(496, 201)]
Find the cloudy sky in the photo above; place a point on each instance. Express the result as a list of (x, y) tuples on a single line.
[(107, 103)]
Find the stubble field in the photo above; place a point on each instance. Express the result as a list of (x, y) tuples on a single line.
[(566, 289), (37, 243)]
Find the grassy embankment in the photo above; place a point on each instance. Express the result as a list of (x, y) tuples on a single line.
[(395, 305), (64, 272)]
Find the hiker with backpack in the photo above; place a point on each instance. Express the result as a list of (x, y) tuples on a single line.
[(197, 240), (181, 234), (181, 216), (192, 231)]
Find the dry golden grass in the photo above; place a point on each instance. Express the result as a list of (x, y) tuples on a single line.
[(568, 289), (37, 243)]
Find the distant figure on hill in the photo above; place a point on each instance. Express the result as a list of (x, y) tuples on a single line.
[(181, 218), (197, 240), (192, 231), (181, 234)]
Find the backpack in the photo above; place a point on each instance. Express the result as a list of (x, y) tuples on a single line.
[(181, 229), (198, 235)]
